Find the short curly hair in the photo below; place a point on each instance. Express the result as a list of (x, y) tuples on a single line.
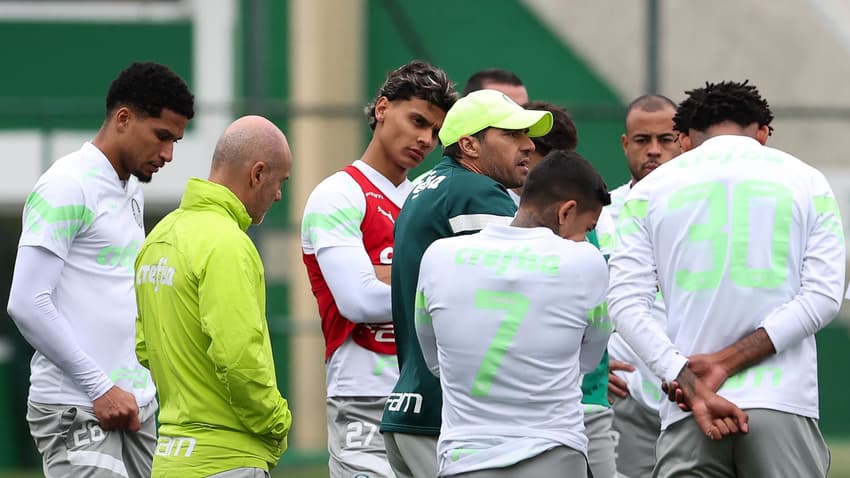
[(563, 134), (716, 103), (416, 79), (149, 88)]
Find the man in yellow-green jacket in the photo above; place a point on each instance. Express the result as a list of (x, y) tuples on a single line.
[(201, 328)]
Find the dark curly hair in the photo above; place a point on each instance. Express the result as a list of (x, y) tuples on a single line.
[(416, 79), (563, 134), (148, 88), (740, 103)]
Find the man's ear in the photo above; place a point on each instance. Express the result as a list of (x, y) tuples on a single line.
[(258, 170), (685, 142), (381, 108), (469, 146), (122, 118), (762, 134), (566, 209)]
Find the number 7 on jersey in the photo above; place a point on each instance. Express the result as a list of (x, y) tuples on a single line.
[(515, 306)]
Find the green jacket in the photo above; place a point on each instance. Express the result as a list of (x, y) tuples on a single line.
[(202, 332), (594, 385)]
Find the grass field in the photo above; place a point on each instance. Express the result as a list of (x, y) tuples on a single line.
[(840, 466), (840, 459)]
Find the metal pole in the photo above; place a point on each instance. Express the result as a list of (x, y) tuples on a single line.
[(327, 68), (653, 21), (257, 40)]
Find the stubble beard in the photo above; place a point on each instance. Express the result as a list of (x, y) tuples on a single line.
[(142, 177)]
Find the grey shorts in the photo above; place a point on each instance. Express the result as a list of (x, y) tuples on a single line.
[(559, 461), (778, 445), (72, 443), (355, 443), (601, 443), (638, 428), (412, 456)]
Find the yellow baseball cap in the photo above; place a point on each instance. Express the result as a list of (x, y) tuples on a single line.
[(491, 109)]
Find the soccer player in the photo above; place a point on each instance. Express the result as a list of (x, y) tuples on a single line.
[(487, 145), (747, 246), (91, 406), (649, 141), (202, 327), (500, 80), (505, 336), (598, 417), (347, 243)]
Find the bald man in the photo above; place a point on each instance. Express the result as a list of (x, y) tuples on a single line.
[(202, 328)]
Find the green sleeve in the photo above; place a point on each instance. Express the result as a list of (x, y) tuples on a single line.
[(594, 387), (141, 346), (231, 301)]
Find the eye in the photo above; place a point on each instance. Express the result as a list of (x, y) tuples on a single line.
[(641, 139)]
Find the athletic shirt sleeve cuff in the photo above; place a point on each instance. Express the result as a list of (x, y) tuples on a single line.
[(99, 388), (676, 363)]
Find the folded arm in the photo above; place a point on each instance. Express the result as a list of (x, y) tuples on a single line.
[(355, 285)]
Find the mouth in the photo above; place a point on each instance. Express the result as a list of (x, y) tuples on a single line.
[(650, 166), (523, 165), (416, 154)]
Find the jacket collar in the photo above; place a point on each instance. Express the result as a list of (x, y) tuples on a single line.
[(203, 195)]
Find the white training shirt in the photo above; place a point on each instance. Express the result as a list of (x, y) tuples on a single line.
[(83, 213), (353, 371), (508, 318), (742, 236), (643, 385)]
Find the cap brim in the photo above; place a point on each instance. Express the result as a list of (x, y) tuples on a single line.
[(538, 123)]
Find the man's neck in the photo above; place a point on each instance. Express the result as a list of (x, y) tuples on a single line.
[(376, 157), (101, 143), (469, 164), (528, 219), (726, 128)]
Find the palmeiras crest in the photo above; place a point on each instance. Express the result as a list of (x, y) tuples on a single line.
[(137, 212)]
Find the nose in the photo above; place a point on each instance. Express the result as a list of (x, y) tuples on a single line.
[(278, 196), (427, 139), (527, 144), (167, 152), (654, 147)]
